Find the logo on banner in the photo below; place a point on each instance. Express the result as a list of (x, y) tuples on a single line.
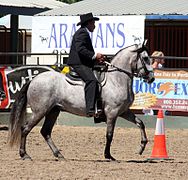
[(166, 88)]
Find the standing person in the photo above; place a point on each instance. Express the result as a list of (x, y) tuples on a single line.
[(82, 59), (158, 62)]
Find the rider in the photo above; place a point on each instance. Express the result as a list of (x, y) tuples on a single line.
[(82, 58)]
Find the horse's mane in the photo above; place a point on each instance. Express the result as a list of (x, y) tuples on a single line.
[(137, 50)]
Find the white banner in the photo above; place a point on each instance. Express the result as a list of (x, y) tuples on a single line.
[(111, 34)]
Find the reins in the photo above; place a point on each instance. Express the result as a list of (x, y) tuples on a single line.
[(136, 73), (118, 69), (121, 70)]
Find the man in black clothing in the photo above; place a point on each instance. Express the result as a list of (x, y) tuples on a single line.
[(82, 58)]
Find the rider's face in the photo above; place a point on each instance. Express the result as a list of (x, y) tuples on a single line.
[(91, 25)]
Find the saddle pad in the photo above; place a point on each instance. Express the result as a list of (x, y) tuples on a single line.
[(74, 81)]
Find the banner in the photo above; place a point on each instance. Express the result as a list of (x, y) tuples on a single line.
[(169, 91), (13, 79), (111, 34)]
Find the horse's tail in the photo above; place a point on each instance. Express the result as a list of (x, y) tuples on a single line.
[(17, 116)]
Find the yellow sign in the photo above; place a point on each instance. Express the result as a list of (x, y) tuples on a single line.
[(143, 100)]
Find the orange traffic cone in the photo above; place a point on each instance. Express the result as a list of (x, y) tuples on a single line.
[(159, 149)]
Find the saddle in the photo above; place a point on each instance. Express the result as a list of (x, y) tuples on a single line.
[(99, 71)]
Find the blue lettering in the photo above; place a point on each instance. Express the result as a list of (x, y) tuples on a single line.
[(143, 87), (53, 36), (62, 34), (121, 33), (152, 88), (176, 89), (139, 86), (99, 36), (108, 28), (136, 86), (184, 88)]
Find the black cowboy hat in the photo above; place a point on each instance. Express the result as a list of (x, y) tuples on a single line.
[(87, 17)]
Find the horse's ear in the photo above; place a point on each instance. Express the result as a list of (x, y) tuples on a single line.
[(144, 47)]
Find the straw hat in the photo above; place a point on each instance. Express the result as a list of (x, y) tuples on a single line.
[(158, 53)]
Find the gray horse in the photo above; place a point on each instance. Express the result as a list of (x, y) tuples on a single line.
[(51, 92)]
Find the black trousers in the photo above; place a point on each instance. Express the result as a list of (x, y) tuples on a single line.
[(91, 85)]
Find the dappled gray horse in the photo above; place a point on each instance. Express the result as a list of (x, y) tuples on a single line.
[(49, 93)]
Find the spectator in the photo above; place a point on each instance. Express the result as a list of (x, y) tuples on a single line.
[(157, 63)]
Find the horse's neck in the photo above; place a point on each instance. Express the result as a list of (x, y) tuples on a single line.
[(122, 61), (120, 72), (120, 82)]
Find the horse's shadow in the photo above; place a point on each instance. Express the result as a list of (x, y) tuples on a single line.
[(4, 128), (93, 160), (126, 161)]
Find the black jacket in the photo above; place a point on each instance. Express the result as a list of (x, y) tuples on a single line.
[(81, 51)]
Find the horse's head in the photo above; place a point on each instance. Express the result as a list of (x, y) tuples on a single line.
[(142, 66)]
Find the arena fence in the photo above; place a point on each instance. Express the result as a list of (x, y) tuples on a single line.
[(60, 58)]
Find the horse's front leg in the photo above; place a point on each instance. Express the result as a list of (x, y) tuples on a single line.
[(109, 136), (132, 118)]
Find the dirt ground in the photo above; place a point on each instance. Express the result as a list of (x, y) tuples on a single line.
[(83, 149)]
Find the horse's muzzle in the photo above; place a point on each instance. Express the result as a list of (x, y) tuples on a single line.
[(149, 78)]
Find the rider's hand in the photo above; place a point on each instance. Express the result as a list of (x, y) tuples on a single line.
[(100, 57)]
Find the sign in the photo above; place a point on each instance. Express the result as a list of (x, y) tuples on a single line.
[(169, 91), (13, 79), (111, 34)]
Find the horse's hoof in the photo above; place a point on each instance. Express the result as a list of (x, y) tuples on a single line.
[(60, 159), (59, 156), (141, 150), (26, 157), (110, 158)]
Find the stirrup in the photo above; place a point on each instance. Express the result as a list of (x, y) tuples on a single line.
[(98, 108)]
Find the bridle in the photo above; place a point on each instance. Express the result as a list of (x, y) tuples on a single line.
[(118, 69), (136, 71)]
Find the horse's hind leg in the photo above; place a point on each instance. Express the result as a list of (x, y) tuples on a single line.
[(132, 118), (25, 130), (46, 130)]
